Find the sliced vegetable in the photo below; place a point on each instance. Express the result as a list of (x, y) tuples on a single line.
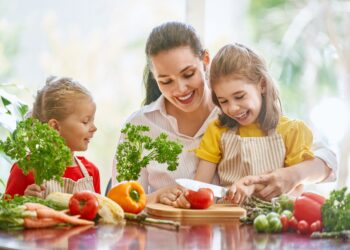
[(129, 195), (84, 204), (201, 199)]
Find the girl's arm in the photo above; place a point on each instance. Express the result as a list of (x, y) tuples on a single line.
[(205, 171)]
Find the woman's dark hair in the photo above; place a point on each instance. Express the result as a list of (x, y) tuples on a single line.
[(162, 38), (236, 61)]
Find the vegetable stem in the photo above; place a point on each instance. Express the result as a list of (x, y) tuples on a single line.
[(143, 219)]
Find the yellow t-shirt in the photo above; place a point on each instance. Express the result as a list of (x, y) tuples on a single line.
[(296, 135)]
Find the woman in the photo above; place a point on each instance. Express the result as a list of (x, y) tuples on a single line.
[(178, 103)]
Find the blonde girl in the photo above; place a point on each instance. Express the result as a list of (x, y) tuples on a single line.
[(68, 107)]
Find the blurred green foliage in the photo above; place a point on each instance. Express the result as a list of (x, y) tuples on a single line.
[(292, 35)]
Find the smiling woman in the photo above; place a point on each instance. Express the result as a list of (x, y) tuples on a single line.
[(178, 102)]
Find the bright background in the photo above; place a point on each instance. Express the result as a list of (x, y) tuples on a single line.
[(101, 44)]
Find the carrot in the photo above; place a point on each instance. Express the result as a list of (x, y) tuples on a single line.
[(40, 223), (50, 213), (46, 212), (34, 206)]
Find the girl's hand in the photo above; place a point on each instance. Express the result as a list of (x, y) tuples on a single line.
[(35, 190), (239, 191)]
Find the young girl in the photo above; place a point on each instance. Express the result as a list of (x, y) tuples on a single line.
[(67, 107), (251, 136)]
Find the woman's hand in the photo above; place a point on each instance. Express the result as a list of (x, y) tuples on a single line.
[(277, 182), (35, 190)]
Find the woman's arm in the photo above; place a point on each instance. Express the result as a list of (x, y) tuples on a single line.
[(285, 180)]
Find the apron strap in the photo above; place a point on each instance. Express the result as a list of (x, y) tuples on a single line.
[(82, 167)]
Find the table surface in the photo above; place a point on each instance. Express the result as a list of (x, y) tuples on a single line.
[(192, 234)]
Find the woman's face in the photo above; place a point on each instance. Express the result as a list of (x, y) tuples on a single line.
[(181, 77)]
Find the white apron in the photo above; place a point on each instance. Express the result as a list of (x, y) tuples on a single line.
[(242, 156), (70, 186)]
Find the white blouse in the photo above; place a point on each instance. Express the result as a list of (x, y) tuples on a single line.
[(156, 175)]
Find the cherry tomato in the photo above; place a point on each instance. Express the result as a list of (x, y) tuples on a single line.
[(293, 224), (201, 199), (316, 226), (303, 227), (84, 204), (285, 222)]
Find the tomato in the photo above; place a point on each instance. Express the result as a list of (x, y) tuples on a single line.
[(303, 227), (84, 204), (293, 224), (201, 199), (307, 209), (285, 222), (316, 226)]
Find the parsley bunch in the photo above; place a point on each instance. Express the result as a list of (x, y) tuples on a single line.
[(336, 211), (39, 148), (138, 150)]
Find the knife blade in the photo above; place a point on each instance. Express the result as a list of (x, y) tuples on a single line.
[(195, 185)]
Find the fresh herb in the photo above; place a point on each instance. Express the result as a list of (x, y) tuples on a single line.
[(336, 211), (38, 148), (137, 150)]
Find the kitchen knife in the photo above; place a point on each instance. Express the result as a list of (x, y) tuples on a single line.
[(195, 185)]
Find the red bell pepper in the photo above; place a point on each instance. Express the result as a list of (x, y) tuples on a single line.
[(84, 204), (308, 207)]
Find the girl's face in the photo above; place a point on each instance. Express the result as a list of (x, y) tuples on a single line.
[(181, 77), (78, 128), (239, 99)]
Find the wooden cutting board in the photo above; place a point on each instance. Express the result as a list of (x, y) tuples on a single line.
[(214, 211)]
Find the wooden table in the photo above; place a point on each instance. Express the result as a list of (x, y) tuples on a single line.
[(193, 234)]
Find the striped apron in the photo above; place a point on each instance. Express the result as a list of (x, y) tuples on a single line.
[(242, 156), (70, 186)]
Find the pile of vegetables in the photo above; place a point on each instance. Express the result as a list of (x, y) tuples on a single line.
[(32, 212), (38, 148), (108, 211), (310, 214)]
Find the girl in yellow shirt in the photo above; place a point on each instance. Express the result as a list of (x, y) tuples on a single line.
[(250, 137)]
